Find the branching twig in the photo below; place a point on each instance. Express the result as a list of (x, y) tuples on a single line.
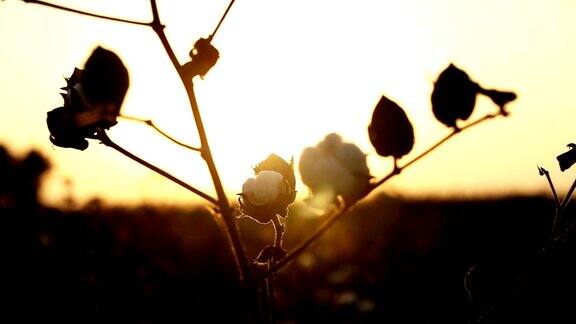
[(221, 20), (55, 6), (237, 247), (159, 29), (399, 169), (103, 137), (547, 174), (334, 216), (568, 196), (161, 132)]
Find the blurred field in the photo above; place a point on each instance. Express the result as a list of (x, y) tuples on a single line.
[(390, 260)]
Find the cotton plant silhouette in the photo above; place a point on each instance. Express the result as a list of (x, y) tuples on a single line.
[(543, 263), (334, 170), (565, 161)]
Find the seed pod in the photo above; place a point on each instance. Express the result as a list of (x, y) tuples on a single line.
[(454, 96), (390, 130)]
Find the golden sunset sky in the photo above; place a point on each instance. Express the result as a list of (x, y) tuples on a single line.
[(289, 73)]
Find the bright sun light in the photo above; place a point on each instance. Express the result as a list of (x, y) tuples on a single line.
[(289, 73)]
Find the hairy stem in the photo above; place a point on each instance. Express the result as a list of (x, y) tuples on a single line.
[(270, 280), (103, 137), (332, 216)]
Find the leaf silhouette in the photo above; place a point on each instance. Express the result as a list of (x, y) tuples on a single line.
[(567, 159), (105, 78), (454, 96), (390, 130), (500, 98), (92, 100)]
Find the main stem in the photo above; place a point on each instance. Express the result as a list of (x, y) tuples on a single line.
[(270, 281), (237, 248), (225, 209)]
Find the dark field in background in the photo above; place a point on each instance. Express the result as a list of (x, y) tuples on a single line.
[(389, 261)]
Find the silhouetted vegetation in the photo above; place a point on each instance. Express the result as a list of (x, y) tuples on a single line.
[(392, 260)]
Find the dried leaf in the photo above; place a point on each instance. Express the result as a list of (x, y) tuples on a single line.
[(390, 130), (567, 159), (454, 96), (105, 78)]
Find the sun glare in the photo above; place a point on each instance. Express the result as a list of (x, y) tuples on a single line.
[(289, 73)]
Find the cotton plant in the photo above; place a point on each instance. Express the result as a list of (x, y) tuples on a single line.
[(334, 170), (334, 167), (565, 161), (562, 229)]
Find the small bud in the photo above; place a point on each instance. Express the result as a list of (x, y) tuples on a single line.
[(204, 56), (542, 171)]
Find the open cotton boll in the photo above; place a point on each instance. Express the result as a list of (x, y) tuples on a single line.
[(264, 188), (334, 166), (353, 159), (334, 176)]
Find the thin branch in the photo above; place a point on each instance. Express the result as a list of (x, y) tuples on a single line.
[(335, 216), (237, 247), (568, 196), (85, 13), (221, 20), (332, 216), (547, 174), (399, 169), (560, 209), (150, 123), (270, 281), (159, 29), (103, 137)]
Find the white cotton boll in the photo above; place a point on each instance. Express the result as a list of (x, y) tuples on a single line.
[(353, 159), (334, 167), (264, 188), (333, 175), (307, 166), (330, 142)]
